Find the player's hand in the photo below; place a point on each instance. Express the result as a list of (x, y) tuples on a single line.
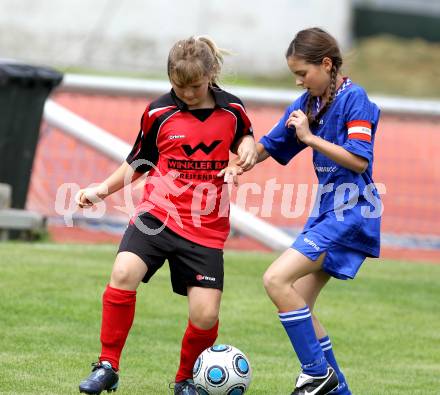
[(299, 121), (247, 153), (87, 197), (230, 174)]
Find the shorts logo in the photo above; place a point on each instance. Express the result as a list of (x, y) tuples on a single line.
[(201, 277), (176, 136), (312, 243)]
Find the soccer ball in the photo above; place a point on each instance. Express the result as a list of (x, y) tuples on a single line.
[(222, 370)]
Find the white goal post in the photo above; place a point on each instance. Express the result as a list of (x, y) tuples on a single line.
[(264, 96)]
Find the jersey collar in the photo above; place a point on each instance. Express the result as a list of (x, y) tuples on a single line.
[(346, 82), (218, 94)]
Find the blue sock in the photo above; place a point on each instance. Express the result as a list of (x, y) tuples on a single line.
[(330, 357), (299, 327)]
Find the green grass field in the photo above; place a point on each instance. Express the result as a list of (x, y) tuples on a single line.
[(385, 325)]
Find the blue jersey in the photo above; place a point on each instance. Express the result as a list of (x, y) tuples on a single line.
[(347, 208)]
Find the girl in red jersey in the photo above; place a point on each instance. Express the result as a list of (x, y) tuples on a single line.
[(184, 142)]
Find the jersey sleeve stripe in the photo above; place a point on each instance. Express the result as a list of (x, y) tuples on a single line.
[(163, 122), (359, 136), (150, 113), (239, 106), (244, 117), (235, 118), (139, 146), (359, 130), (365, 124), (153, 115)]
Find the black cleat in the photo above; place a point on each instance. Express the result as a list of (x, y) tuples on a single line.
[(102, 378), (186, 387), (311, 385), (341, 390)]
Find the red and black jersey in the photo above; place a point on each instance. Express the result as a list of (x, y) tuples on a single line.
[(184, 150)]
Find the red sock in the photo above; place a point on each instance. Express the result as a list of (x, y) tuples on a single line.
[(118, 307), (194, 341)]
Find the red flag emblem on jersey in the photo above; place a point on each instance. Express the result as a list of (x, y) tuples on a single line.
[(359, 130)]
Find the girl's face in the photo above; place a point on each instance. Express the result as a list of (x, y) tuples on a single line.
[(314, 78), (195, 94)]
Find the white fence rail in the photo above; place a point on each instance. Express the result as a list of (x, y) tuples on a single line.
[(241, 220), (278, 97), (116, 149)]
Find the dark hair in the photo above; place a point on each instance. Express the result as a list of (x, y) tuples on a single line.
[(313, 45), (194, 58)]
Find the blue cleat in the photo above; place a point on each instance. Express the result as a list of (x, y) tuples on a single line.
[(186, 387), (102, 378)]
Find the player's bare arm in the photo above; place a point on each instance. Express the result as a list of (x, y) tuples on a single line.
[(123, 175), (233, 170), (247, 153), (262, 154), (341, 156)]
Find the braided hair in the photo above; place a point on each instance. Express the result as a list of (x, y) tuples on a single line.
[(313, 45)]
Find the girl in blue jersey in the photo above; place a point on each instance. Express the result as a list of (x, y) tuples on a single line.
[(337, 120)]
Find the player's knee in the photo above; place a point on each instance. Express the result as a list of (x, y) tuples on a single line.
[(121, 277), (205, 318), (272, 281)]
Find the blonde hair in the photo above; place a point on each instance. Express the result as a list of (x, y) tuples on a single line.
[(195, 58)]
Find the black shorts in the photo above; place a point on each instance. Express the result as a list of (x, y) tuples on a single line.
[(191, 264)]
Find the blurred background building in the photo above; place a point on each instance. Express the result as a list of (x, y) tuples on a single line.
[(403, 18), (136, 35)]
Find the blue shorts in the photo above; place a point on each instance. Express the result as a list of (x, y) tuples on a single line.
[(340, 261)]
